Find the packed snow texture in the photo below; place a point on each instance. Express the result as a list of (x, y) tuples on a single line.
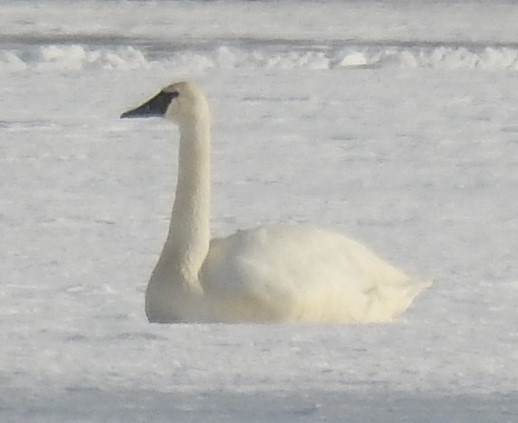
[(394, 122), (77, 57)]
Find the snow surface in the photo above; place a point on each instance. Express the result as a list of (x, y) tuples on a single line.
[(395, 122)]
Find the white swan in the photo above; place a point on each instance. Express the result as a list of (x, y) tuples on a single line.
[(277, 273)]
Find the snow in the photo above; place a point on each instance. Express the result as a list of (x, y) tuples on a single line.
[(76, 57), (393, 122)]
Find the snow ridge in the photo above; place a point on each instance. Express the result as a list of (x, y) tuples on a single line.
[(79, 57)]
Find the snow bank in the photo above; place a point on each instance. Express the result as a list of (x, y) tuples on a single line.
[(77, 58), (73, 58), (448, 58)]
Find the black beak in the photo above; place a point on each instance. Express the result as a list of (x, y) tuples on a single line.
[(157, 106)]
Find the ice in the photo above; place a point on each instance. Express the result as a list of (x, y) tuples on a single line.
[(392, 122), (78, 57), (72, 57)]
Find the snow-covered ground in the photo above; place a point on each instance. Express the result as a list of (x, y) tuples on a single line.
[(395, 122)]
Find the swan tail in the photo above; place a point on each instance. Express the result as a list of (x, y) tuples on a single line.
[(390, 302)]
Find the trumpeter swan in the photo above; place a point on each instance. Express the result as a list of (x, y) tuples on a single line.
[(277, 273)]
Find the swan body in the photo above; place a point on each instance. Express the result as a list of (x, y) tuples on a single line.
[(274, 273)]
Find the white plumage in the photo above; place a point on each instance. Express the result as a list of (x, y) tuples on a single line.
[(275, 273)]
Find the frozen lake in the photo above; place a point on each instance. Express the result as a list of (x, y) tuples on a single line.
[(394, 122)]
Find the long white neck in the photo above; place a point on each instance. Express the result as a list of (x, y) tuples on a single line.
[(188, 240)]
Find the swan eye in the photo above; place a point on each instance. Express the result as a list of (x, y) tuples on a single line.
[(157, 106), (162, 101)]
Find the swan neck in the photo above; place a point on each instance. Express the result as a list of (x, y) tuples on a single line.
[(189, 232)]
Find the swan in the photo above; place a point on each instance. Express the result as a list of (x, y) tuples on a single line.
[(272, 273)]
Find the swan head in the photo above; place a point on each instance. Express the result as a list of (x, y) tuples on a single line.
[(181, 102)]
